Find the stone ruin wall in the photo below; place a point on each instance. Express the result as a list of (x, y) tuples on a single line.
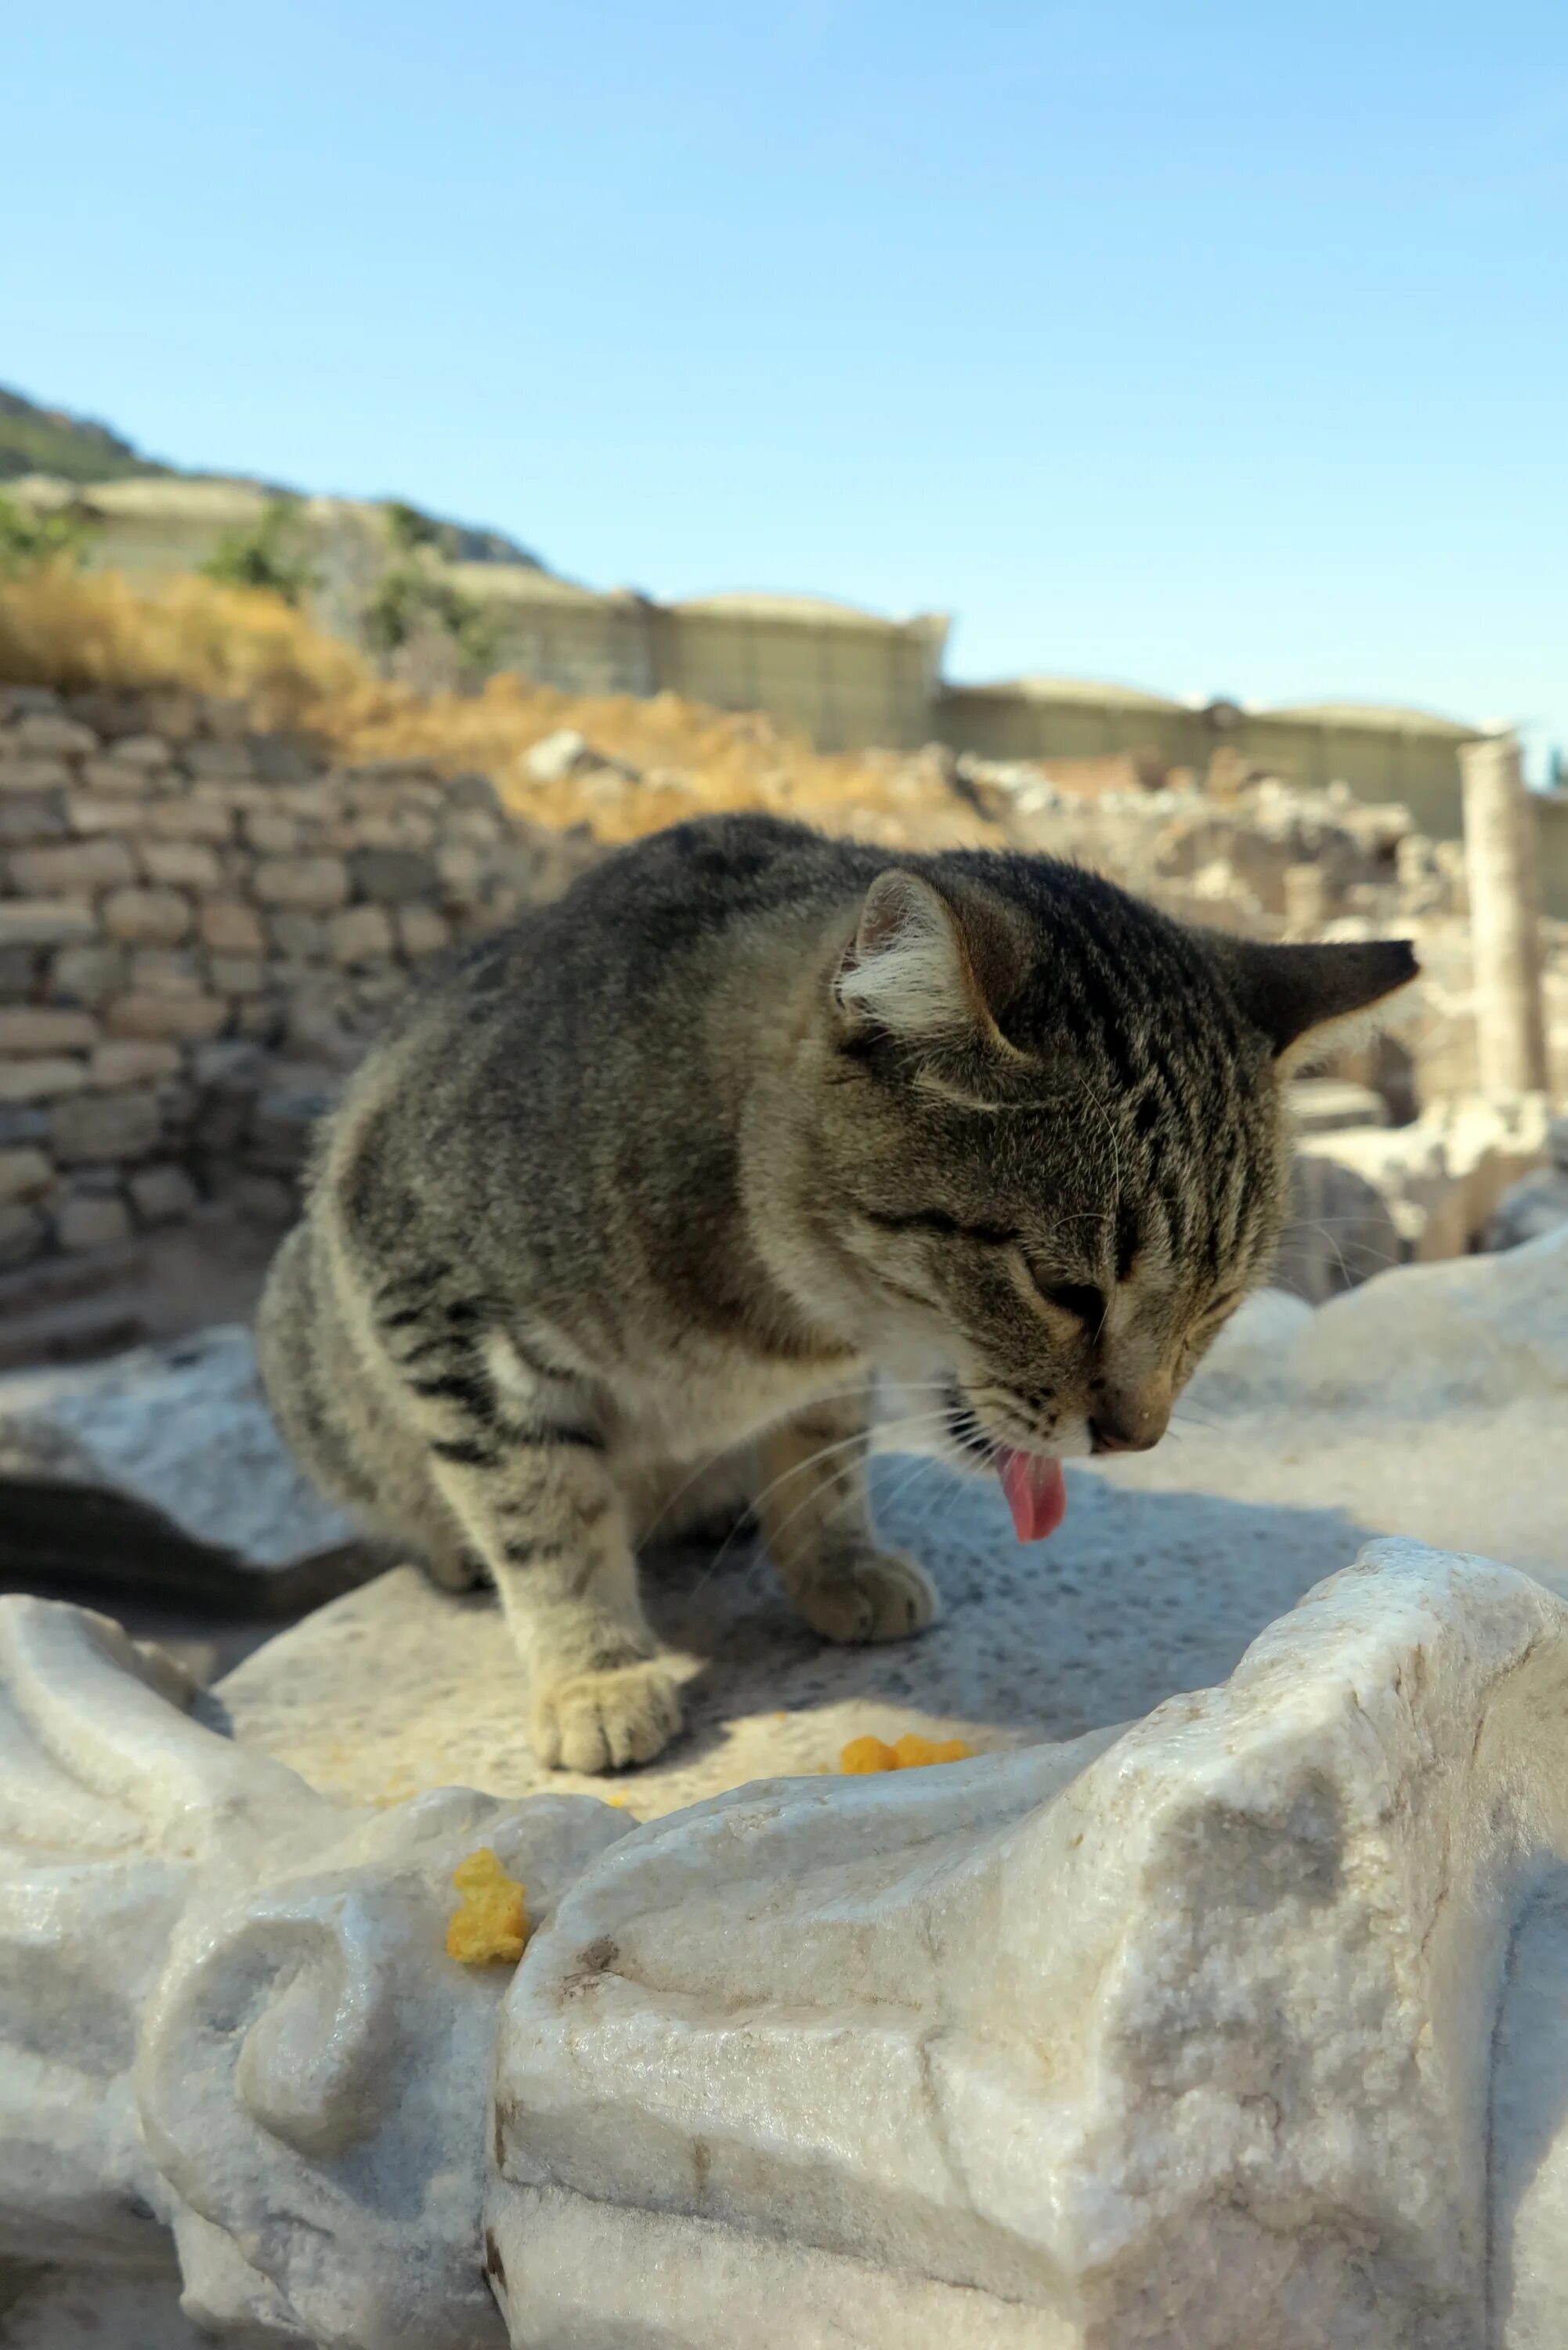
[(199, 928)]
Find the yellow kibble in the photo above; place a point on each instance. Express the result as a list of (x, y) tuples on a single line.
[(913, 1753), (489, 1924)]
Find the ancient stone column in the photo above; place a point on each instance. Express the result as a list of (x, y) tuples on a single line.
[(1505, 924)]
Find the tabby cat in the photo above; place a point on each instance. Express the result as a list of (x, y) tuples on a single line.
[(631, 1202)]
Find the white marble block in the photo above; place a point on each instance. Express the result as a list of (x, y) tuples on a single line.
[(1245, 2025), (1180, 2038)]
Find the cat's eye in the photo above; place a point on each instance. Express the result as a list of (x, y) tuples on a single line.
[(1079, 1298)]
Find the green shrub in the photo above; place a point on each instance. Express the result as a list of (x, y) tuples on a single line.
[(273, 554)]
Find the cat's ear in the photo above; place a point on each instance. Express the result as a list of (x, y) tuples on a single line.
[(925, 970), (1309, 1001), (908, 970)]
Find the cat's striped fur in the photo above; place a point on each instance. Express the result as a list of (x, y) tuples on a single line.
[(659, 1177)]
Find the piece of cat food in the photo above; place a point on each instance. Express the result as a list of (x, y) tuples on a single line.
[(912, 1753), (490, 1924)]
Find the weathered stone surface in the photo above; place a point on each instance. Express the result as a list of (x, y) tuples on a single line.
[(132, 1061), (274, 834), (24, 1231), (360, 934), (1179, 2035), (161, 1195), (184, 864), (228, 762), (165, 1016), (232, 927), (45, 1028), (164, 971), (25, 819), (91, 816), (142, 750), (44, 1079), (151, 917), (74, 871), (87, 974), (118, 778), (90, 1220), (95, 1129), (313, 884), (55, 736), (236, 974), (46, 921), (279, 2062), (188, 816), (392, 877), (26, 771), (422, 931), (185, 1430), (25, 1174)]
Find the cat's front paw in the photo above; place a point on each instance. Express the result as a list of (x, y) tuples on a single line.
[(607, 1721), (867, 1595)]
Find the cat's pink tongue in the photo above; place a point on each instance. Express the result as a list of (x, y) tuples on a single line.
[(1036, 1493)]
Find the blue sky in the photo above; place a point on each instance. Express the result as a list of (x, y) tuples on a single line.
[(1215, 349)]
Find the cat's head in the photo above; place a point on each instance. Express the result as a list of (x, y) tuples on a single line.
[(1052, 1154)]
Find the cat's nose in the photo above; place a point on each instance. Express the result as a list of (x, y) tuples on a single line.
[(1127, 1427)]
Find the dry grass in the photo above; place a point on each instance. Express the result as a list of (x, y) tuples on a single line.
[(78, 630)]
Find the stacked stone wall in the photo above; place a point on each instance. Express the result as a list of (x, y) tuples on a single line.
[(199, 927)]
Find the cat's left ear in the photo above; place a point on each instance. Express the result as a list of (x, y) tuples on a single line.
[(925, 970), (1311, 1001)]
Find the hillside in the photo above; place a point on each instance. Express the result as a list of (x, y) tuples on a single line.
[(37, 440), (34, 440)]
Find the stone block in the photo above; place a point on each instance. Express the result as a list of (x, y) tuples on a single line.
[(25, 1174), (422, 931), (272, 834), (300, 938), (236, 974), (319, 800), (360, 934), (223, 762), (392, 877), (44, 1079), (162, 1195), (20, 968), (87, 974), (46, 1028), (117, 778), (23, 1124), (186, 817), (28, 818), (459, 868), (55, 737), (183, 864), (24, 1231), (90, 1220), (163, 970), (147, 917), (174, 713), (189, 1016), (232, 927), (90, 815), (142, 750), (132, 1061), (46, 921), (21, 772), (307, 884), (98, 1127), (77, 868)]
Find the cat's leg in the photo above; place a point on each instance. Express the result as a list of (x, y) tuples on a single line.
[(523, 1471), (816, 1511)]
